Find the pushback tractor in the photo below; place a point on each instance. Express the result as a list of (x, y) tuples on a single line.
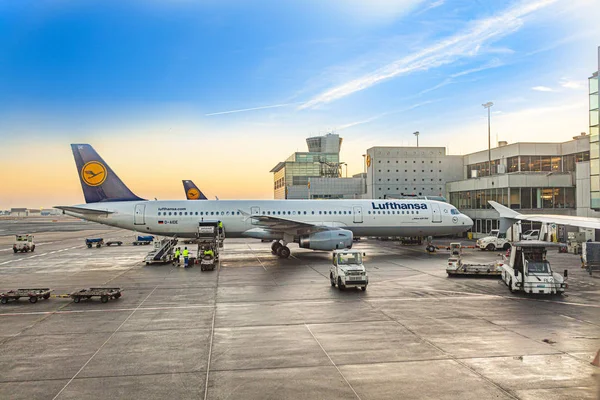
[(527, 270)]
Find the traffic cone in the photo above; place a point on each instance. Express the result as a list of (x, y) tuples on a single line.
[(596, 361)]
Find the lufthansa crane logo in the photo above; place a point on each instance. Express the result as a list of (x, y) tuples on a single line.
[(368, 160), (193, 194), (93, 173)]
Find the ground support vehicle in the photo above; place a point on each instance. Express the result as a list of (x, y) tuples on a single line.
[(527, 269), (103, 293), (163, 251), (456, 267), (33, 294), (115, 242), (590, 256), (209, 237), (143, 240), (98, 242), (347, 270), (23, 244), (495, 240)]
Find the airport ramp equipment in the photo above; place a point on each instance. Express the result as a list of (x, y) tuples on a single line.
[(143, 240), (33, 294), (104, 293), (162, 252), (456, 267), (90, 242), (209, 238), (590, 256)]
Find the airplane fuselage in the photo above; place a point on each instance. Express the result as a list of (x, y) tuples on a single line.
[(362, 217)]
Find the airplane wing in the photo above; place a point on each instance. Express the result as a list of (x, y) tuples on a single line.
[(83, 210), (278, 224), (509, 217)]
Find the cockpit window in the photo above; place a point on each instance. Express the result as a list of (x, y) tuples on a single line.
[(454, 211)]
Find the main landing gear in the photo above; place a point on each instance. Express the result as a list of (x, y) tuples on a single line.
[(281, 250)]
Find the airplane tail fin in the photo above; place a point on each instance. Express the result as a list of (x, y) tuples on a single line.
[(192, 192), (507, 216), (98, 180)]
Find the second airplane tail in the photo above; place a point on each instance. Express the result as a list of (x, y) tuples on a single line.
[(192, 192), (98, 180)]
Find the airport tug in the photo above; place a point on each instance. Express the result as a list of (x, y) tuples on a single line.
[(23, 244), (527, 270), (348, 270)]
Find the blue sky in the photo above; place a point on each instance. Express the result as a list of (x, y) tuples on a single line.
[(145, 74)]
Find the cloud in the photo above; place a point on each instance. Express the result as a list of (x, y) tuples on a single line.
[(495, 63), (466, 43), (542, 89), (373, 10), (251, 109), (571, 84), (431, 6), (375, 117)]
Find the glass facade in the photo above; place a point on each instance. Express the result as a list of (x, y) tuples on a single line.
[(594, 144), (515, 198), (533, 163)]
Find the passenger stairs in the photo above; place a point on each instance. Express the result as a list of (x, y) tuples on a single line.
[(162, 252)]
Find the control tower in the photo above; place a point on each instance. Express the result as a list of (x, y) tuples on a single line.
[(330, 143)]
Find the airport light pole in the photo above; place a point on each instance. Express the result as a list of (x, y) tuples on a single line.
[(489, 105), (365, 163), (417, 135)]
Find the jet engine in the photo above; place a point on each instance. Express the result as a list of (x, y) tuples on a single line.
[(327, 240)]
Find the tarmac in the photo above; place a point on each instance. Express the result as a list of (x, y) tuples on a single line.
[(263, 328)]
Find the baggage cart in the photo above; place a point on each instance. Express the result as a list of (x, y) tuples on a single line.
[(104, 293), (33, 294)]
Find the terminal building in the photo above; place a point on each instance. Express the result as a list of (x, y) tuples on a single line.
[(551, 178), (316, 174), (395, 172)]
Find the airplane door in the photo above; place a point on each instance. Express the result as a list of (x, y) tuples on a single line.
[(254, 211), (138, 216), (358, 217), (436, 214)]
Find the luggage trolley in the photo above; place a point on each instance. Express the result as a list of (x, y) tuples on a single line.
[(103, 293), (33, 294)]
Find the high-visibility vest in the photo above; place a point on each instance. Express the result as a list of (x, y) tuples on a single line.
[(186, 252), (208, 253), (177, 253), (220, 224)]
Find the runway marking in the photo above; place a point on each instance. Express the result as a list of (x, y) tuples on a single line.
[(330, 360), (102, 346)]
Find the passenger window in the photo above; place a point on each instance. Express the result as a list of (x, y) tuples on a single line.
[(329, 212), (212, 213), (159, 213), (304, 212), (186, 213), (313, 213)]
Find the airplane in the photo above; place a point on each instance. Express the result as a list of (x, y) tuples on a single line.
[(509, 216), (192, 192), (313, 224)]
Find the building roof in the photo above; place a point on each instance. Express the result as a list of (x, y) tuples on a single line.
[(278, 166)]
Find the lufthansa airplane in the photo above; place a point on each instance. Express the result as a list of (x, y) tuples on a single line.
[(313, 224)]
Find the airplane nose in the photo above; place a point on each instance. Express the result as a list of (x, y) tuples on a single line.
[(467, 220)]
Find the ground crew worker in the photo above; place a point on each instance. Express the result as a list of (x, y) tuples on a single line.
[(186, 255), (177, 255), (209, 252), (220, 228)]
